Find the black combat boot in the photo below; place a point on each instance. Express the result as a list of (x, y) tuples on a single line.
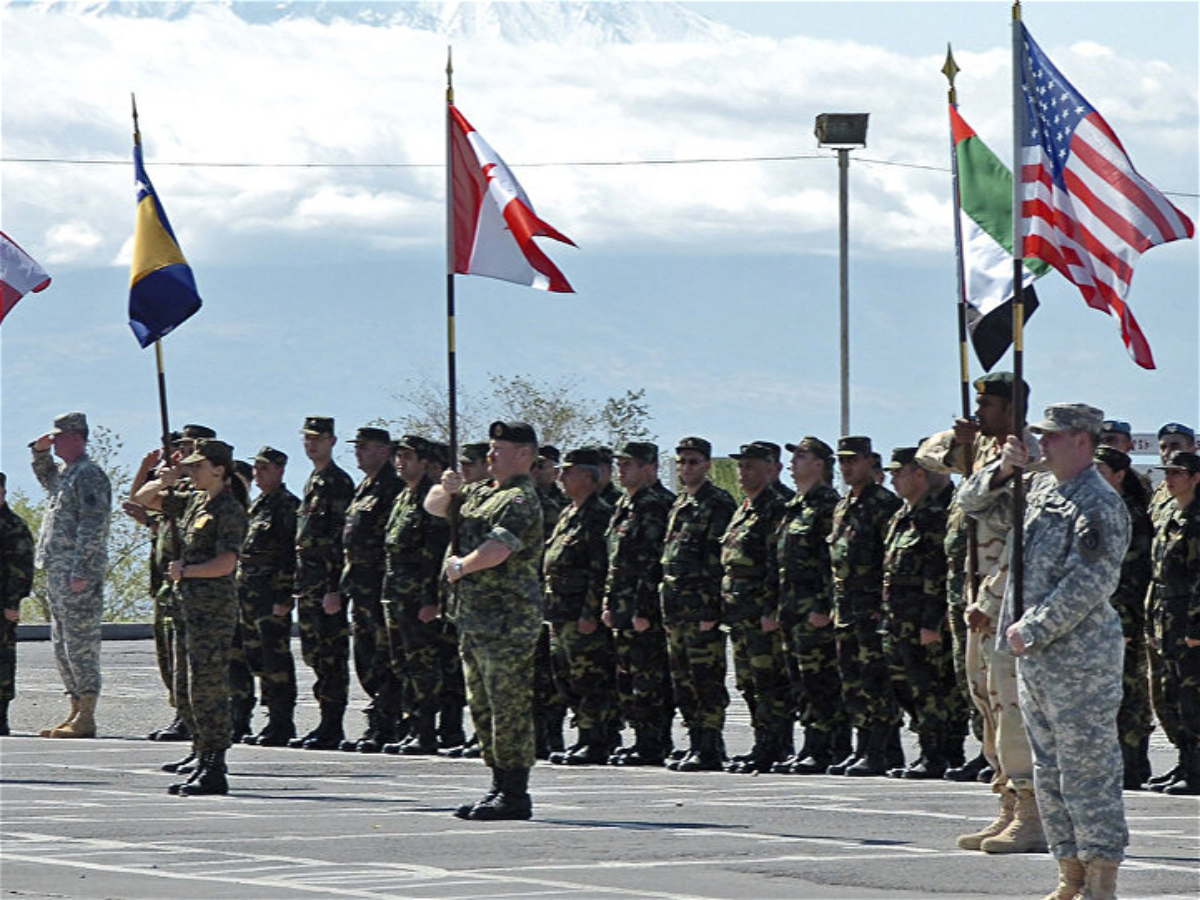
[(182, 766), (176, 731), (969, 771), (708, 756), (859, 751), (209, 777), (464, 809), (773, 747), (351, 745), (932, 762), (450, 723), (647, 748), (676, 759), (592, 749), (328, 734), (425, 739), (1143, 759), (819, 755), (875, 760), (1189, 784), (280, 729), (386, 731), (512, 803), (239, 719)]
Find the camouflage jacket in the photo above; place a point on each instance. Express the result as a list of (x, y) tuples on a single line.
[(505, 599), (74, 535), (553, 501), (415, 542), (1176, 554), (210, 528), (635, 547), (319, 527), (576, 562), (1076, 535), (801, 555), (914, 564), (269, 551), (1129, 600), (691, 559), (957, 546), (16, 559), (366, 527), (750, 585), (856, 553)]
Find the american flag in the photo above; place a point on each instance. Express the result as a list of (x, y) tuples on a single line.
[(1084, 208)]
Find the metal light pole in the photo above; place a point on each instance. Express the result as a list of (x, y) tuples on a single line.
[(843, 132)]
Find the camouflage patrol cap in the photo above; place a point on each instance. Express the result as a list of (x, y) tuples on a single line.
[(1182, 459), (273, 456), (758, 450), (473, 453), (70, 423), (216, 452), (1117, 460), (1115, 426), (549, 453), (696, 445), (317, 425), (417, 444), (853, 445), (370, 433), (197, 432), (439, 453), (999, 384), (813, 445), (643, 451), (584, 456), (1176, 428), (901, 457), (513, 432), (1070, 417)]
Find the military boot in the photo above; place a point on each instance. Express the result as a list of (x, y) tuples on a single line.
[(182, 766), (49, 732), (1024, 834), (386, 731), (592, 749), (1188, 784), (775, 746), (210, 776), (1131, 775), (1100, 879), (84, 723), (859, 751), (784, 765), (328, 734), (1143, 759), (464, 809), (1070, 880), (739, 759), (967, 772), (4, 730), (280, 729), (176, 731), (240, 712), (1169, 777), (1008, 803), (819, 754), (511, 803), (350, 745), (953, 748), (194, 769), (875, 760), (425, 740), (708, 756), (450, 724), (647, 749), (932, 763)]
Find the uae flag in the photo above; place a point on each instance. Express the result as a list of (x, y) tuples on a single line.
[(985, 217)]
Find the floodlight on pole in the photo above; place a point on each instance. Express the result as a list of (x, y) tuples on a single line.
[(843, 132)]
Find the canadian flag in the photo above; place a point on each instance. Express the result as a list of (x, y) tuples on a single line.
[(493, 221), (19, 274)]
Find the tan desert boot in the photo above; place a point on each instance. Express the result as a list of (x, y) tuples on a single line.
[(1008, 801), (1070, 880), (83, 725), (1024, 834), (1100, 879), (47, 732)]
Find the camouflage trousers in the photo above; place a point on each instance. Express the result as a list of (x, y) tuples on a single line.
[(75, 632), (454, 687), (923, 679), (1135, 719), (1181, 672), (958, 644), (373, 650), (499, 675), (698, 665), (584, 670), (164, 641), (550, 701), (643, 678), (760, 673), (423, 649), (817, 690), (265, 641), (8, 660), (202, 676), (1071, 718), (993, 676), (866, 676), (325, 646)]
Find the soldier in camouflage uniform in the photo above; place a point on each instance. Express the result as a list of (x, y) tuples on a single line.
[(1068, 641), (16, 581), (691, 605), (415, 543), (749, 595), (362, 587), (957, 547), (1176, 593), (1135, 720), (324, 630), (266, 585), (499, 611), (856, 552), (631, 604), (549, 700), (575, 569), (916, 638), (73, 549), (805, 609)]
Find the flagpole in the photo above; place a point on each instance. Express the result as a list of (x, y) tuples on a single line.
[(1017, 562), (451, 365)]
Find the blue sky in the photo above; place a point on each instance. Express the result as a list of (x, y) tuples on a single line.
[(713, 286)]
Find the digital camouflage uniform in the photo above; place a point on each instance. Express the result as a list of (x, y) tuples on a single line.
[(324, 638), (575, 569), (635, 546), (1076, 534), (499, 616), (266, 577), (690, 594), (73, 543), (16, 581)]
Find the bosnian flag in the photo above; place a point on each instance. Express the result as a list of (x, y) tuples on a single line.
[(494, 223), (19, 274)]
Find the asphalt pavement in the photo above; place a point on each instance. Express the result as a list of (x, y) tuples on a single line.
[(92, 819)]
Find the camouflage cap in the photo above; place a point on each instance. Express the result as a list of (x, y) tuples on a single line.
[(474, 452), (767, 450), (439, 453), (370, 433), (273, 456), (584, 456), (70, 423), (417, 444), (606, 455), (317, 425), (197, 432), (513, 432), (1070, 417), (1176, 428), (1117, 460), (243, 470), (1182, 459), (853, 445), (696, 445), (901, 457), (549, 453), (998, 384), (813, 445), (643, 451), (216, 452), (1115, 426)]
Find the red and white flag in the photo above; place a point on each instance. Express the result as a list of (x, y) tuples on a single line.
[(19, 274), (493, 221)]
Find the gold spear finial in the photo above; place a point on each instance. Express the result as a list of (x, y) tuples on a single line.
[(950, 69)]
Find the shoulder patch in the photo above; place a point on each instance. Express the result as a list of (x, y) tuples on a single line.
[(1091, 543)]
